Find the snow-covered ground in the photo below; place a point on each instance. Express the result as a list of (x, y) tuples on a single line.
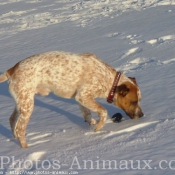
[(137, 37)]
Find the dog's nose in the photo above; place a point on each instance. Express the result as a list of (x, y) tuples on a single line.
[(141, 114)]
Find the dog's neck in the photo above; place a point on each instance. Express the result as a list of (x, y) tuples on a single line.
[(123, 79), (111, 95)]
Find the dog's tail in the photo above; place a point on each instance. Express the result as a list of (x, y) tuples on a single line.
[(4, 77)]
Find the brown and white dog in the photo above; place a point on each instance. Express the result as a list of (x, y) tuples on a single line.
[(83, 77)]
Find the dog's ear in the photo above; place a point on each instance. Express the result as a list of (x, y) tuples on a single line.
[(133, 80), (122, 90)]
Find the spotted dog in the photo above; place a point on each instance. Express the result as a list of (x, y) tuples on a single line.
[(83, 77)]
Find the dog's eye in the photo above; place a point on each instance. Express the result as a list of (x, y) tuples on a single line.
[(134, 103)]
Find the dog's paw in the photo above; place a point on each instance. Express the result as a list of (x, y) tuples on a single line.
[(98, 126), (91, 122), (22, 141)]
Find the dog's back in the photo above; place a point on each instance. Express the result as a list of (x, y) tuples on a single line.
[(60, 72)]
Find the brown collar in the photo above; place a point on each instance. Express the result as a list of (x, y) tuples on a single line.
[(110, 97)]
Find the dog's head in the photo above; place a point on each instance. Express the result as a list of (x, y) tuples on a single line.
[(127, 97)]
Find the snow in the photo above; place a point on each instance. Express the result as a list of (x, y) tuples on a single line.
[(136, 37)]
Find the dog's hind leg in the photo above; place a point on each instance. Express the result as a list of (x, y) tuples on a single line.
[(87, 115), (19, 119), (13, 118), (25, 110), (20, 129)]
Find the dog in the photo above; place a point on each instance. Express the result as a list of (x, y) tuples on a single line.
[(83, 77)]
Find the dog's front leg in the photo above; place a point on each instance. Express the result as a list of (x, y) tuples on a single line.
[(87, 115), (91, 104), (102, 113)]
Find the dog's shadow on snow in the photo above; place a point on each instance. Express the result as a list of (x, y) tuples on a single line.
[(4, 92), (4, 89), (5, 132), (73, 118)]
